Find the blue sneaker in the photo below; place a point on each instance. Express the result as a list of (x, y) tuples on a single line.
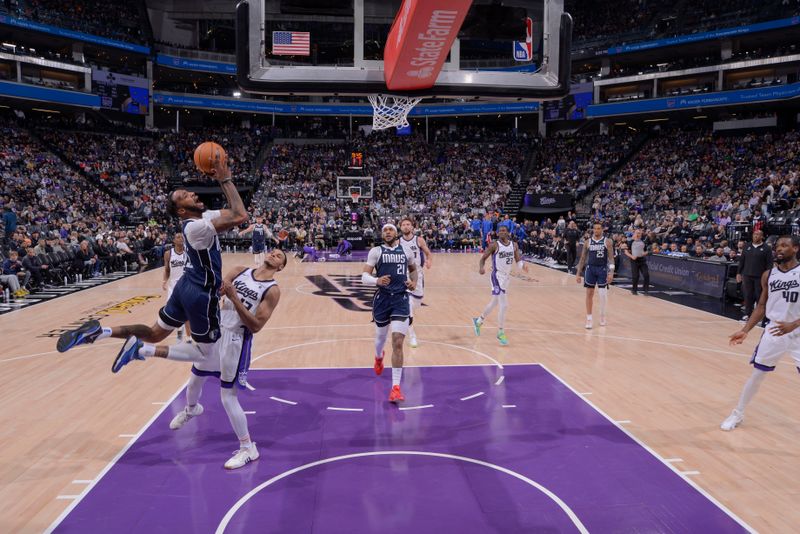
[(501, 336), (476, 324), (128, 352), (86, 333)]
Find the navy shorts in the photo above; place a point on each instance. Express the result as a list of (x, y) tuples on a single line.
[(596, 275), (198, 306), (258, 248), (387, 307)]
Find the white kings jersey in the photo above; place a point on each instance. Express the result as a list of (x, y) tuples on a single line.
[(784, 294), (503, 258), (412, 250), (177, 262), (251, 292)]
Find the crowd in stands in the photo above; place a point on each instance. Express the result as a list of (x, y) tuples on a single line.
[(95, 17)]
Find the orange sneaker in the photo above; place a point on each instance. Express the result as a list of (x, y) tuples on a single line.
[(396, 395), (378, 365)]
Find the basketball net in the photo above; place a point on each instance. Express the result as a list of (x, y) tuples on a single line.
[(391, 110), (355, 197)]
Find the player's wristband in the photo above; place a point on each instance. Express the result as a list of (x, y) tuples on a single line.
[(223, 182), (368, 279)]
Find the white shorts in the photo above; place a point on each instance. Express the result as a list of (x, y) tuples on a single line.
[(771, 348), (230, 359), (499, 282), (170, 287)]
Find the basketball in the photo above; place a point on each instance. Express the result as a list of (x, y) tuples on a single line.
[(283, 234), (204, 156)]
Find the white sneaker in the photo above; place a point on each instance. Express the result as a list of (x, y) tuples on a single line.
[(182, 418), (602, 321), (588, 324), (734, 419), (242, 457), (413, 343)]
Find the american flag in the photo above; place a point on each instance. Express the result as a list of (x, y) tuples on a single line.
[(291, 43)]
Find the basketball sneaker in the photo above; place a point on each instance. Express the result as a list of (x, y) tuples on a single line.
[(501, 336), (86, 333), (602, 320), (395, 395), (588, 324), (476, 324), (128, 353), (413, 342), (183, 417), (242, 457), (379, 364), (734, 419)]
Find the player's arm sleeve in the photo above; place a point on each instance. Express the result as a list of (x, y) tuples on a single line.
[(200, 233), (374, 256)]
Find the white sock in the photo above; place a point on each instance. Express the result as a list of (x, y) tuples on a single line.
[(750, 388), (148, 350), (235, 413), (411, 332), (397, 374), (106, 333), (185, 352), (193, 390), (603, 292), (501, 316), (381, 333), (489, 308), (589, 317)]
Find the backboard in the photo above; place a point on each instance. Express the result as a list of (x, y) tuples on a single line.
[(517, 49)]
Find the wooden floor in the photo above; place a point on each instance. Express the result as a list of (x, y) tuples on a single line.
[(665, 368)]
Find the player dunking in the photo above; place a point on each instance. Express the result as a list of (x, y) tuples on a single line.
[(597, 257), (251, 297), (195, 298), (780, 304), (505, 254), (396, 276), (175, 260), (259, 239), (417, 250)]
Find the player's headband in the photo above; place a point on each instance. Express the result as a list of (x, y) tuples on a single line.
[(389, 225)]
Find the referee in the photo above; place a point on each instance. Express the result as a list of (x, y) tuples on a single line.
[(755, 259), (638, 256), (571, 236)]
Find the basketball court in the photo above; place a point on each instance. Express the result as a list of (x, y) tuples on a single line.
[(563, 430)]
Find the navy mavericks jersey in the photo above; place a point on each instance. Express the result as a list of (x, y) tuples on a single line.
[(259, 236), (204, 268), (393, 262), (597, 252)]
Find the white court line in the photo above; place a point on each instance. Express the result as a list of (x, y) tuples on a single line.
[(81, 347), (110, 464), (250, 413), (283, 400), (500, 380), (690, 473), (585, 393), (337, 409), (67, 497), (552, 496), (159, 403), (127, 435), (509, 406), (655, 454), (81, 481), (416, 407), (249, 387), (478, 394), (673, 459), (623, 422)]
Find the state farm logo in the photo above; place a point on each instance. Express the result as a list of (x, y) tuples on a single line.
[(429, 46), (424, 72), (402, 21)]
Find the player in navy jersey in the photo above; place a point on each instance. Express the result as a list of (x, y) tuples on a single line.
[(597, 257), (396, 276), (195, 298), (260, 235)]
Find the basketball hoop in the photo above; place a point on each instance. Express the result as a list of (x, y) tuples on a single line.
[(355, 196), (391, 110)]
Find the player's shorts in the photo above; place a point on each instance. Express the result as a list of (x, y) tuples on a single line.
[(771, 348), (258, 248), (419, 291), (595, 275), (387, 307), (230, 358), (171, 287), (199, 306), (499, 282)]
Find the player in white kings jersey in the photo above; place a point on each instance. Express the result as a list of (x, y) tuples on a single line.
[(417, 250), (505, 254), (780, 303), (175, 260)]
